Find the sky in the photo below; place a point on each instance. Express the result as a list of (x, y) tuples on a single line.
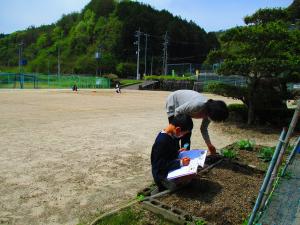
[(212, 15)]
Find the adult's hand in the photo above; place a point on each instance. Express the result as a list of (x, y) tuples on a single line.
[(211, 149)]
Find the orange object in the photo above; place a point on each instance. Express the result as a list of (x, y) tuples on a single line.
[(186, 161)]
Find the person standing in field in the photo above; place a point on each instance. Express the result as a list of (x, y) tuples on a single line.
[(197, 106), (118, 87), (74, 88)]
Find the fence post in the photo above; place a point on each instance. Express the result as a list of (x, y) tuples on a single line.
[(267, 178), (291, 156)]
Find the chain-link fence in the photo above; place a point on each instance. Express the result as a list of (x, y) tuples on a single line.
[(10, 80)]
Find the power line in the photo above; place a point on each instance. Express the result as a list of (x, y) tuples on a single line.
[(178, 42)]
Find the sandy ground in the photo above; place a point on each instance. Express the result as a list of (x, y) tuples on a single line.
[(67, 157)]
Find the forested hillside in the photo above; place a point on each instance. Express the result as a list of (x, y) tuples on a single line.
[(107, 26)]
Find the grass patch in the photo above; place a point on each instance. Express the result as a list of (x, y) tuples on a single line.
[(134, 216), (127, 82)]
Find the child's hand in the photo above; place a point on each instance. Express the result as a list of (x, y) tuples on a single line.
[(185, 161), (182, 149)]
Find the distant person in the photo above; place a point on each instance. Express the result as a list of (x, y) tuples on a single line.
[(195, 105), (118, 87), (74, 88), (165, 151)]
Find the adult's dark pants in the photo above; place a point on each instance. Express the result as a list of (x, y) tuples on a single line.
[(186, 139)]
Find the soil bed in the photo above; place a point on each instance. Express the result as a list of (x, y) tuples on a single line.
[(224, 195), (249, 157)]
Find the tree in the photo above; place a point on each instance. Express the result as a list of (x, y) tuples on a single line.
[(101, 8), (111, 25), (294, 10), (267, 54), (67, 22), (263, 16)]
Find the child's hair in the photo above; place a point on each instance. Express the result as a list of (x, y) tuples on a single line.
[(183, 121), (216, 110)]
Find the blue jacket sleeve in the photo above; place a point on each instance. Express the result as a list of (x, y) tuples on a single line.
[(161, 159)]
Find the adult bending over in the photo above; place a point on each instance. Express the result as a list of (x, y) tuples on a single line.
[(197, 106)]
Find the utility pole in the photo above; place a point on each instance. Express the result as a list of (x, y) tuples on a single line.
[(138, 35), (48, 57), (59, 55), (146, 40), (151, 65), (20, 56), (98, 57), (165, 50), (58, 61), (21, 63)]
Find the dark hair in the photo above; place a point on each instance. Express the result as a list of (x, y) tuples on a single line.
[(183, 121), (216, 110)]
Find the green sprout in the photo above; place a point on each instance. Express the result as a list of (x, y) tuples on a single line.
[(266, 153), (140, 197), (246, 145), (200, 222), (228, 153)]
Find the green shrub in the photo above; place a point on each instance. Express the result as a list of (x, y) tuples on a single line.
[(228, 153), (266, 153), (126, 69), (226, 90), (111, 76), (238, 111), (245, 145)]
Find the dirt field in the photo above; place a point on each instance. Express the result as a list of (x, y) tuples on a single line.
[(67, 157)]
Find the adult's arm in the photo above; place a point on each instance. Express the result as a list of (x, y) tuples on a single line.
[(204, 131), (205, 135)]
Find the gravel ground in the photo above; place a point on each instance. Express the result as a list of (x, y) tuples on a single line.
[(67, 157)]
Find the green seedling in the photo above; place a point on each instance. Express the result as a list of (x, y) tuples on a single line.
[(228, 153), (266, 153), (200, 222), (246, 145), (245, 222), (140, 197)]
